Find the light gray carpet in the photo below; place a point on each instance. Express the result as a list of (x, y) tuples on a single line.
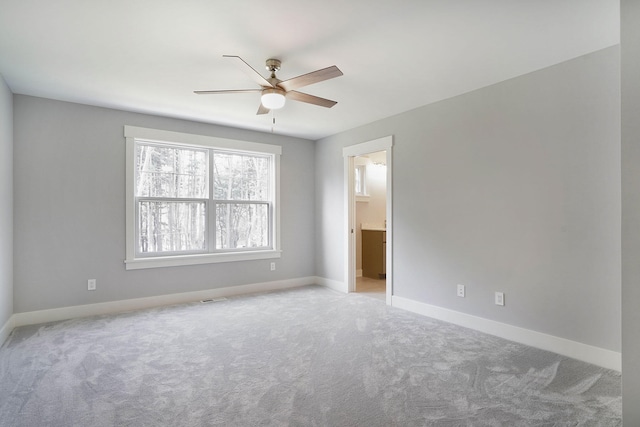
[(304, 357)]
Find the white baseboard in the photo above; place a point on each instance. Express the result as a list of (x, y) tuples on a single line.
[(332, 284), (358, 273), (52, 315), (595, 355), (587, 353)]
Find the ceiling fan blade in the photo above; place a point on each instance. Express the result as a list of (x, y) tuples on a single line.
[(250, 71), (310, 99), (311, 78), (262, 110), (210, 92)]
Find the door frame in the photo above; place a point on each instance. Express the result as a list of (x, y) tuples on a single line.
[(349, 153)]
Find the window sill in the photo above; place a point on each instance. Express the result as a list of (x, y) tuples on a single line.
[(175, 261)]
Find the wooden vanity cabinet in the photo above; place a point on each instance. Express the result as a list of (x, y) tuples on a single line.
[(374, 254)]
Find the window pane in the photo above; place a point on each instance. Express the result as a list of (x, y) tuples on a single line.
[(171, 226), (244, 225), (171, 172), (241, 177)]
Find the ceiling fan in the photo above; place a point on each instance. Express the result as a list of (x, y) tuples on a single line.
[(275, 91)]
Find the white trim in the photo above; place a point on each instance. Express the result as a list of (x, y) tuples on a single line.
[(359, 273), (72, 312), (590, 354), (576, 350), (332, 284), (380, 144), (349, 153), (178, 138), (389, 224), (6, 329), (174, 261), (350, 224), (130, 210), (56, 314)]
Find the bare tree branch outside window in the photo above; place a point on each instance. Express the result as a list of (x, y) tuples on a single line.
[(173, 204)]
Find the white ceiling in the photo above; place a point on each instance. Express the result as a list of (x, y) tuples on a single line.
[(149, 55)]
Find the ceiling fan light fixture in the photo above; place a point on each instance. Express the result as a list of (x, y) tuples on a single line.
[(274, 91), (273, 98)]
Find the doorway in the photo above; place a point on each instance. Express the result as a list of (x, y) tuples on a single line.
[(370, 179), (368, 216)]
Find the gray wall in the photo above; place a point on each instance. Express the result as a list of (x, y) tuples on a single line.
[(6, 203), (515, 188), (70, 209), (630, 55)]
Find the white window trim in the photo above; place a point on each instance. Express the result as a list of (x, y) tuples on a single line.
[(132, 133)]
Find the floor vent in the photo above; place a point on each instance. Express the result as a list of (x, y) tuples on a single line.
[(206, 301)]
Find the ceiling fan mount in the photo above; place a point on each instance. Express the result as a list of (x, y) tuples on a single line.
[(274, 91), (273, 65)]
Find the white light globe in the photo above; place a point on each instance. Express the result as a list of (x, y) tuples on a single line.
[(272, 99)]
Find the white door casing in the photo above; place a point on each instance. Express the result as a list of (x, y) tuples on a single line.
[(382, 144)]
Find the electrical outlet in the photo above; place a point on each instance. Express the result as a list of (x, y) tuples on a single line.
[(461, 291), (499, 298), (273, 266), (91, 284)]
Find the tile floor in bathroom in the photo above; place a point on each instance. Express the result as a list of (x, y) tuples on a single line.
[(371, 287)]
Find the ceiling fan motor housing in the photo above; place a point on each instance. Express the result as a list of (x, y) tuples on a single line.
[(273, 65)]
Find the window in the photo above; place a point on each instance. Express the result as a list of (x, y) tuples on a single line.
[(194, 199), (361, 180)]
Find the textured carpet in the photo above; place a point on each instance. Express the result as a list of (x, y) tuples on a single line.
[(303, 357)]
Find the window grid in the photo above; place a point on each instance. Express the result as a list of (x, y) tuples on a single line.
[(213, 240)]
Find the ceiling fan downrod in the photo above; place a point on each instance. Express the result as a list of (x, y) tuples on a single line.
[(273, 65)]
